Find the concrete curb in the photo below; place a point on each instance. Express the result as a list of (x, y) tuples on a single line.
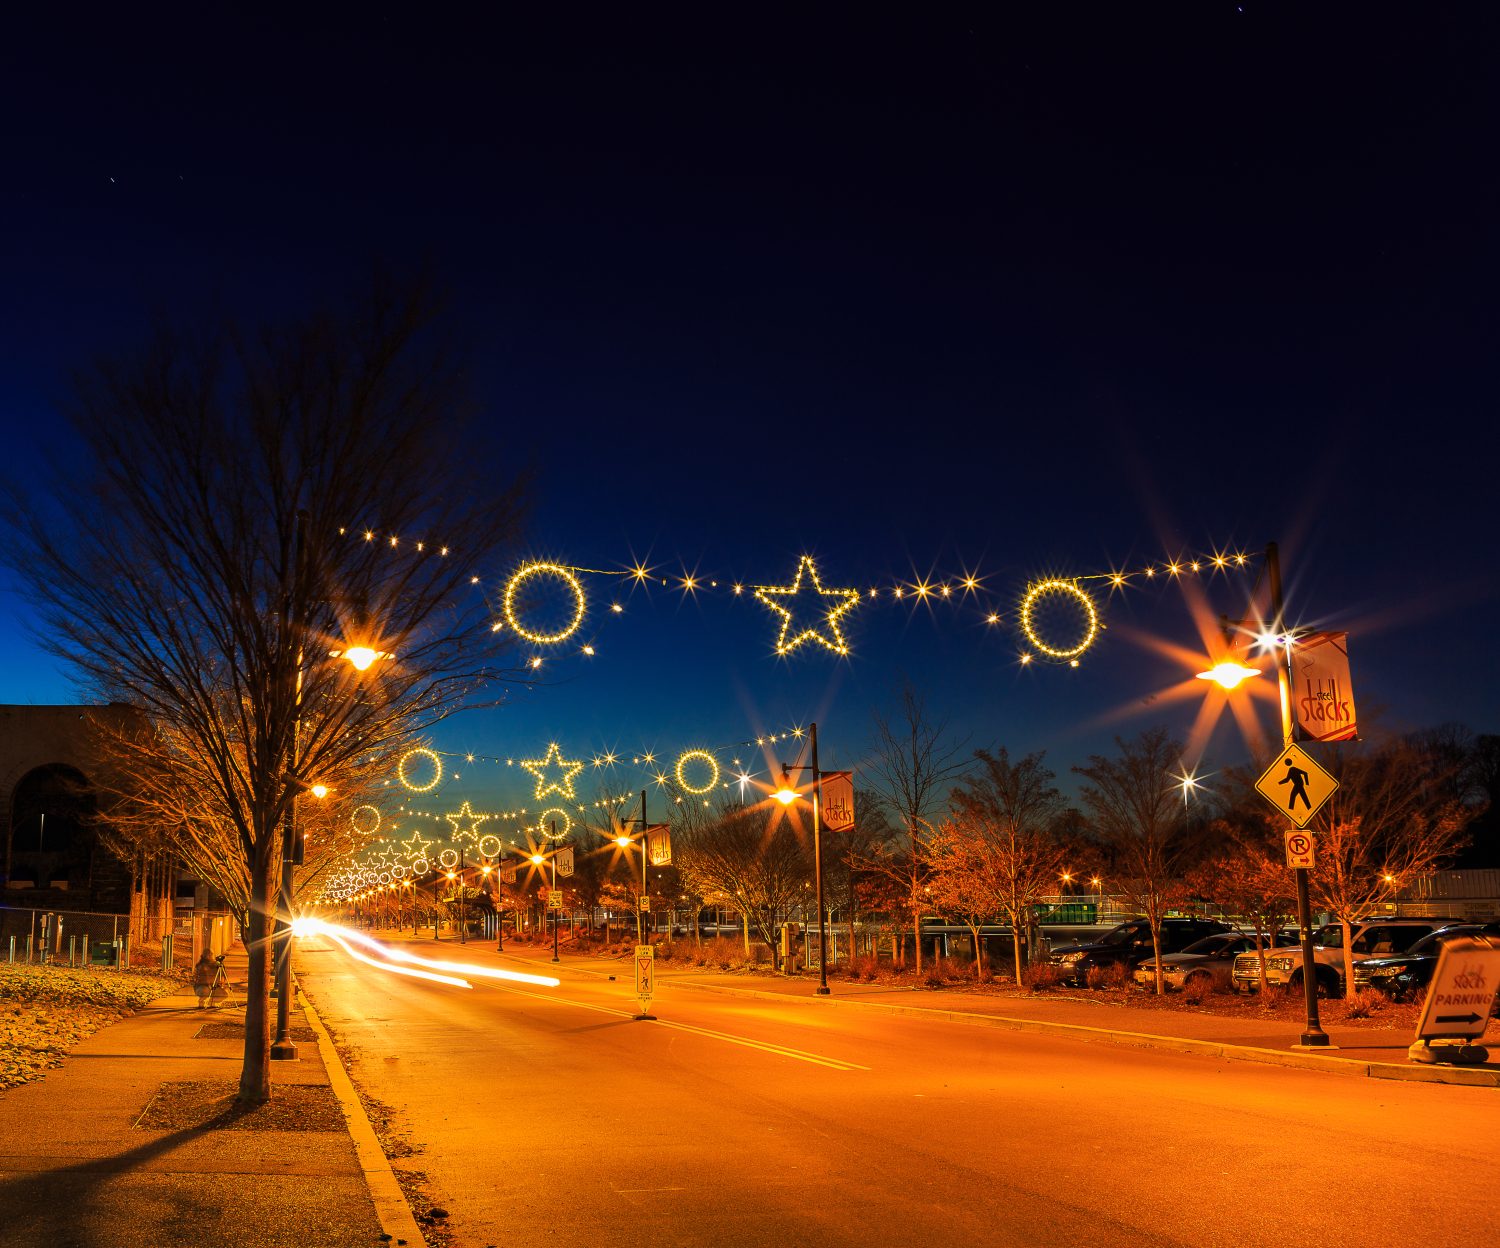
[(1301, 1060), (391, 1208)]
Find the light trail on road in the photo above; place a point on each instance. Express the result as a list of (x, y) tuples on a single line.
[(342, 936)]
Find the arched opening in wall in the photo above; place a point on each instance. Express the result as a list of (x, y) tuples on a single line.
[(51, 829)]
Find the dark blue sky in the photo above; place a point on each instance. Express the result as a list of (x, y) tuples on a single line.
[(997, 293)]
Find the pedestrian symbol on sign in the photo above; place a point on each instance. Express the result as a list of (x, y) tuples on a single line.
[(1296, 785), (1297, 778)]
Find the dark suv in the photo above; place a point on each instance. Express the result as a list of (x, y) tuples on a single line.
[(1130, 944)]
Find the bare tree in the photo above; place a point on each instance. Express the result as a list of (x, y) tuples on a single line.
[(210, 554), (756, 859), (1249, 878), (1015, 809), (1136, 809), (1394, 818), (913, 763)]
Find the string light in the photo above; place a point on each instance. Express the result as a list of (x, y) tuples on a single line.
[(437, 769), (1041, 591), (538, 767), (527, 572), (835, 641), (354, 820), (544, 821), (690, 756)]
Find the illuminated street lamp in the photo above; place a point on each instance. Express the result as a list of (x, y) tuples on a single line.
[(786, 795), (623, 841), (1277, 640), (1229, 674)]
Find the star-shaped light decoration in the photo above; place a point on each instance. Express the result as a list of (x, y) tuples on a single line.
[(539, 767), (471, 833), (833, 637), (416, 846)]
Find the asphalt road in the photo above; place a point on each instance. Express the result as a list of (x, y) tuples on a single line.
[(551, 1115)]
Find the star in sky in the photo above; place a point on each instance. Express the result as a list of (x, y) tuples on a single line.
[(539, 767), (416, 846), (830, 604)]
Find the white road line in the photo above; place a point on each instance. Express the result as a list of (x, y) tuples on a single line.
[(779, 1050)]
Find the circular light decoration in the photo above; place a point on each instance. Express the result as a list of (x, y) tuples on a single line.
[(420, 866), (448, 859), (545, 819), (355, 824), (490, 846), (384, 877), (367, 876), (693, 756), (1044, 592), (400, 871), (553, 570), (437, 769)]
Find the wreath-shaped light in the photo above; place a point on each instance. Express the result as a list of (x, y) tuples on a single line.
[(486, 841), (545, 817), (420, 866), (688, 756), (544, 569), (437, 769), (448, 859), (354, 817), (1066, 589)]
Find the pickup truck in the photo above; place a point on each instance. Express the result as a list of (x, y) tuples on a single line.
[(1371, 938)]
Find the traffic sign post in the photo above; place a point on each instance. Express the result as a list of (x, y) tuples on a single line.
[(1459, 1002), (645, 978), (1300, 850)]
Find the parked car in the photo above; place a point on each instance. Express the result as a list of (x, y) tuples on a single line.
[(1129, 944), (1371, 938), (1210, 959), (1405, 976)]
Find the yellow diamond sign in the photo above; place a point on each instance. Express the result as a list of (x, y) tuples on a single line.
[(1296, 785)]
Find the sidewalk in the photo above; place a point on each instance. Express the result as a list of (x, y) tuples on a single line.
[(113, 1149), (1353, 1051)]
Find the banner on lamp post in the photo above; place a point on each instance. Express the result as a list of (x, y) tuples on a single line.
[(1322, 698), (565, 861), (508, 874), (659, 844), (837, 809)]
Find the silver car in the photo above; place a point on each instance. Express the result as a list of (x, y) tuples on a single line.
[(1210, 959)]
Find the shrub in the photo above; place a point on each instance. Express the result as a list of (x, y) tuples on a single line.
[(1116, 975), (1365, 1003), (864, 966), (1040, 976), (1198, 989)]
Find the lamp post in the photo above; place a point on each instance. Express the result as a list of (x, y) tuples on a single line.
[(552, 904), (623, 841), (361, 658), (1229, 675), (786, 796)]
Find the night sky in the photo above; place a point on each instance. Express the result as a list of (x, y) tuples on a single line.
[(959, 292)]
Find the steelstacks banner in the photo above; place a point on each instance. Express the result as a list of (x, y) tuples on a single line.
[(1322, 698)]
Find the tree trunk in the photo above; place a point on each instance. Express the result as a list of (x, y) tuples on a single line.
[(255, 1073), (1015, 947), (1161, 983), (916, 927), (1348, 961)]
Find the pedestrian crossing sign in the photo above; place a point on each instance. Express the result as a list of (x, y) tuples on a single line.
[(1296, 785)]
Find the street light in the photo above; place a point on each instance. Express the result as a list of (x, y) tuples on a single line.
[(1313, 1036), (1229, 674), (553, 901), (786, 795), (623, 841), (361, 658)]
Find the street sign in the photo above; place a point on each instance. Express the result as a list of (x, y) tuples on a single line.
[(1462, 993), (645, 973), (1299, 850), (1296, 785), (564, 858), (554, 900), (645, 904), (837, 809)]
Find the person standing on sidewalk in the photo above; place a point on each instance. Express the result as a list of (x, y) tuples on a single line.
[(203, 977)]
